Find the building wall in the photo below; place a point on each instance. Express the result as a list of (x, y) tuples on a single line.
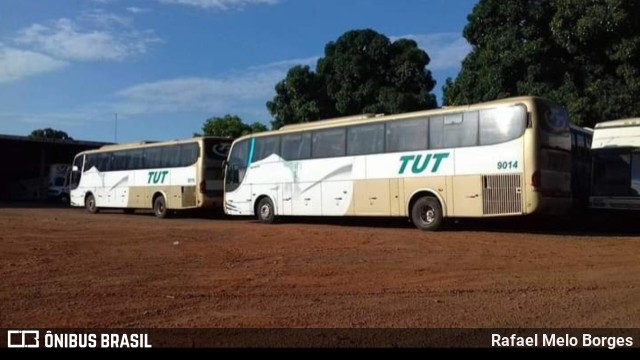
[(27, 161)]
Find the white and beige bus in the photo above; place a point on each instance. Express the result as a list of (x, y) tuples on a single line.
[(616, 165), (163, 176), (507, 157)]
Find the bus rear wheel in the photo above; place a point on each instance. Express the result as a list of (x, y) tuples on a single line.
[(160, 207), (90, 204), (265, 211), (426, 213)]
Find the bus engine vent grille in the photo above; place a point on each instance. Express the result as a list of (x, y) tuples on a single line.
[(501, 194)]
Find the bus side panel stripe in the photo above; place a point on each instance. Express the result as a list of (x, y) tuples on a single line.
[(252, 147)]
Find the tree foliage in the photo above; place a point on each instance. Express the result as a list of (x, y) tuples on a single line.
[(229, 126), (583, 55), (49, 133), (361, 72)]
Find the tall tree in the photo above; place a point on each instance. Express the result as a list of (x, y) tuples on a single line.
[(49, 133), (361, 72), (229, 126), (300, 97), (583, 55), (256, 127)]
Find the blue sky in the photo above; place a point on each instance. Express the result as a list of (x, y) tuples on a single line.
[(164, 66)]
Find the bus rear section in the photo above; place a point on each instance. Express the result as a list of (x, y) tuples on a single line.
[(211, 186), (551, 171)]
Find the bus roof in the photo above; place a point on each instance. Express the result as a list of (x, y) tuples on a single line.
[(367, 118), (581, 129), (619, 123), (333, 121), (622, 133), (126, 145), (145, 144)]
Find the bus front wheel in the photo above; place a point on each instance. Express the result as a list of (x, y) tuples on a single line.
[(160, 207), (426, 213), (90, 204), (265, 211)]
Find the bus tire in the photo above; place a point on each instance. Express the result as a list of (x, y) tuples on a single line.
[(160, 207), (426, 213), (90, 204), (265, 211)]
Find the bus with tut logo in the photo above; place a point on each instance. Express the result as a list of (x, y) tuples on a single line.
[(163, 176), (509, 157)]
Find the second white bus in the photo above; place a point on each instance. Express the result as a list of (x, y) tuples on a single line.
[(163, 176)]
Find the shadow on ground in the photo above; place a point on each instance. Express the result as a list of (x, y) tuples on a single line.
[(588, 224)]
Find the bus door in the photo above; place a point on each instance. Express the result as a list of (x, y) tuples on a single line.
[(75, 176), (237, 196)]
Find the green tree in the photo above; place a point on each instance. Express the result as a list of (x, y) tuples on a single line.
[(257, 127), (583, 55), (229, 126), (49, 133), (300, 97), (361, 72)]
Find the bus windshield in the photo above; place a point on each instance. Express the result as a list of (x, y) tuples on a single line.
[(616, 172)]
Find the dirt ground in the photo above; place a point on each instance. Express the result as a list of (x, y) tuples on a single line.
[(63, 267)]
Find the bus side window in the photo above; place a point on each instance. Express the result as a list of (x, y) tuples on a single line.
[(580, 144), (501, 124), (296, 146), (329, 143), (365, 139), (406, 135), (460, 130), (266, 146)]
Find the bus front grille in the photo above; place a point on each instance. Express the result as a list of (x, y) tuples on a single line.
[(501, 194)]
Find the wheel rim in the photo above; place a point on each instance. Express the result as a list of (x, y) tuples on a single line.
[(159, 208), (91, 203), (265, 211), (427, 214)]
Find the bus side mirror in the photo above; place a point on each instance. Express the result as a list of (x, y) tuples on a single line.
[(74, 168), (224, 163)]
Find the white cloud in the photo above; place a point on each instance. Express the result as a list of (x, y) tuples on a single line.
[(72, 118), (220, 4), (16, 64), (239, 92), (137, 10), (95, 36), (284, 65), (446, 50)]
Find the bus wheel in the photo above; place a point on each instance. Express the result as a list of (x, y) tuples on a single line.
[(266, 212), (426, 213), (160, 207), (90, 204)]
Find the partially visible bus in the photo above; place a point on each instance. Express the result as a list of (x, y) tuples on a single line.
[(509, 157), (581, 139), (163, 176), (616, 165), (57, 182)]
